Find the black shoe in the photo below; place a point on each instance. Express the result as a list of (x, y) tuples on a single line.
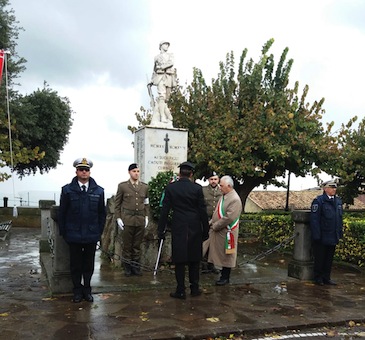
[(176, 295), (215, 270), (319, 282), (222, 282), (330, 282), (77, 298), (88, 297), (127, 270), (197, 292), (205, 268), (136, 271)]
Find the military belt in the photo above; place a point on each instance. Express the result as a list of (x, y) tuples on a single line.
[(133, 212)]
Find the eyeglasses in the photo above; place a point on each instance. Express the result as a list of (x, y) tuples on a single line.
[(83, 169)]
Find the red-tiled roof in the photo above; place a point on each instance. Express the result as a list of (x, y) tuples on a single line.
[(299, 200)]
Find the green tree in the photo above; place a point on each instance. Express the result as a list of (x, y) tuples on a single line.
[(349, 166), (43, 119), (40, 122), (252, 125)]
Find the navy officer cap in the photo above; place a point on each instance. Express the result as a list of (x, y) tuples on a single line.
[(84, 162), (329, 184), (187, 165)]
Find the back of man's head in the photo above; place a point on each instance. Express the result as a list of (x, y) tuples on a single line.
[(185, 172), (186, 169)]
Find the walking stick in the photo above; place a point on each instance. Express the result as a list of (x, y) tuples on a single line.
[(158, 257)]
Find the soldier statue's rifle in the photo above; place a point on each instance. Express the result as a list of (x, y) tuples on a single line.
[(152, 99)]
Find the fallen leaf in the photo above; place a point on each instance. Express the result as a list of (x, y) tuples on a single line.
[(105, 296), (331, 334), (352, 323), (49, 299), (213, 319), (4, 314)]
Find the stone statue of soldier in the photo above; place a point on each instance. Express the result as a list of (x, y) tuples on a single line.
[(164, 78)]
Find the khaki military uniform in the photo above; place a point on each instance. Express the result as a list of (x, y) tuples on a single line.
[(211, 197), (131, 205)]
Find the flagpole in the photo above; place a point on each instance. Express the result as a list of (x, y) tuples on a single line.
[(15, 211)]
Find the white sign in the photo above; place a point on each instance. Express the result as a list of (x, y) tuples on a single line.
[(159, 149)]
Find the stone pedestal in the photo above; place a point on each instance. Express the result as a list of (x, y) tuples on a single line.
[(46, 221), (159, 149), (58, 275), (301, 266)]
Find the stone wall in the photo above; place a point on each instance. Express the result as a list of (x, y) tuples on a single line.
[(27, 217)]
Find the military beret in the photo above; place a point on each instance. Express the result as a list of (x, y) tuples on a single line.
[(329, 184), (83, 162), (187, 165), (211, 174), (133, 166)]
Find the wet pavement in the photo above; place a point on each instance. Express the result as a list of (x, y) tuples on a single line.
[(261, 299)]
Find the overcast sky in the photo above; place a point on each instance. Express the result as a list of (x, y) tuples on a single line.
[(100, 54)]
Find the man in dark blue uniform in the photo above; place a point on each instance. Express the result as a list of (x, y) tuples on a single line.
[(189, 228), (326, 227), (81, 222)]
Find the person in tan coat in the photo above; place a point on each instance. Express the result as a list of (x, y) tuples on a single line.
[(131, 213), (224, 230)]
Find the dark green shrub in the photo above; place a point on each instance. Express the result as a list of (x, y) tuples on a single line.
[(156, 187), (352, 247)]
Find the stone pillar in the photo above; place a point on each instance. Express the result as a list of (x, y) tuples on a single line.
[(301, 266), (159, 149), (46, 221), (58, 275)]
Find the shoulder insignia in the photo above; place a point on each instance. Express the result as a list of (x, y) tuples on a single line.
[(314, 207)]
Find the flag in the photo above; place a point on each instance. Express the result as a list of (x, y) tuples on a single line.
[(2, 56)]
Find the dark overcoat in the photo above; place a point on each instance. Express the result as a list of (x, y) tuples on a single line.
[(189, 225), (326, 220), (81, 216)]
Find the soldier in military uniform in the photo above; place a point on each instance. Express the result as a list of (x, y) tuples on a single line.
[(164, 78), (131, 213), (211, 196)]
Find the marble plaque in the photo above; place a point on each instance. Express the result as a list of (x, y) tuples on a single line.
[(159, 149)]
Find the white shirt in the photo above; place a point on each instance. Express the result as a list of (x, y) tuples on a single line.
[(86, 185)]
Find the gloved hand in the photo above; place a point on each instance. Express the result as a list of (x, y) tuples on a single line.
[(120, 224), (146, 222)]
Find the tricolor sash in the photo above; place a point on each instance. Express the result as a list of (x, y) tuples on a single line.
[(230, 248)]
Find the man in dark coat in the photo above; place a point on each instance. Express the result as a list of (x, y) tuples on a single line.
[(189, 228), (326, 228), (81, 222)]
